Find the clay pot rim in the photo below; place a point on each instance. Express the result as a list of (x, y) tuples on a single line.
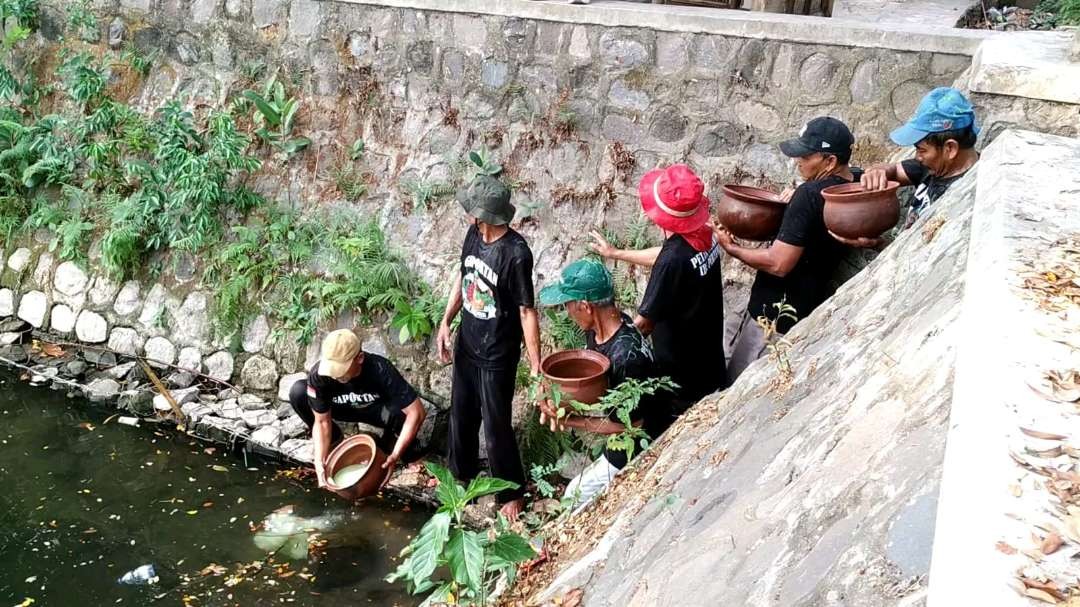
[(345, 445), (854, 192), (560, 356), (753, 195)]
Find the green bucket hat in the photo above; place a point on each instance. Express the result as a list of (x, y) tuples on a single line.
[(584, 280), (488, 200)]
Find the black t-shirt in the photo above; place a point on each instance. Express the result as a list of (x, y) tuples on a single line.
[(685, 302), (810, 282), (631, 358), (496, 281), (928, 187), (379, 387)]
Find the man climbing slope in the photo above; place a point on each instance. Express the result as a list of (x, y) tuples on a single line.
[(494, 286)]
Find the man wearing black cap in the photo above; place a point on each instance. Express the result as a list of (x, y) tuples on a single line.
[(796, 268), (494, 285)]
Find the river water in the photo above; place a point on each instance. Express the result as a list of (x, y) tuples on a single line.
[(84, 501)]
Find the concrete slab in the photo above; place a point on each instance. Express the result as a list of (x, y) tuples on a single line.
[(939, 37), (1035, 65), (1010, 337), (943, 13)]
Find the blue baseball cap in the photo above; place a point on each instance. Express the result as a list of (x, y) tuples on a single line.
[(942, 109)]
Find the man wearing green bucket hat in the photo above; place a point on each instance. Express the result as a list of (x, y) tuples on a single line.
[(494, 287), (585, 288)]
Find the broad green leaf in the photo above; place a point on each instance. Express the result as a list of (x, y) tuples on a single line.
[(486, 485), (403, 334), (475, 159), (288, 113), (509, 549), (493, 168), (270, 114), (442, 595), (449, 492), (465, 556), (428, 546), (293, 146)]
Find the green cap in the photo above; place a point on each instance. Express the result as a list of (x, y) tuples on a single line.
[(584, 280), (487, 199)]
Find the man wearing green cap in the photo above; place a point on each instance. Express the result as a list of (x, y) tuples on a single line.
[(943, 132), (494, 286), (586, 290)]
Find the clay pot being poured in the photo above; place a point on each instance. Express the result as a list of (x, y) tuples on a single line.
[(852, 212), (356, 463), (750, 213), (580, 374)]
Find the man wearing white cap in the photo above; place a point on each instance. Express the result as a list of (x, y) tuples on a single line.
[(350, 385)]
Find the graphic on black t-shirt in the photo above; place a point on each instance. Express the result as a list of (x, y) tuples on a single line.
[(809, 283), (379, 385), (496, 282), (928, 187), (475, 293), (685, 302)]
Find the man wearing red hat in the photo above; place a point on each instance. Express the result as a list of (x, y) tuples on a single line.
[(797, 267), (683, 306)]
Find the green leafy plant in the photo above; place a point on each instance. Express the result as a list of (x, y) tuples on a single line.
[(423, 193), (621, 401), (84, 79), (562, 331), (472, 560), (776, 344), (483, 164), (356, 150), (276, 118), (25, 12), (81, 19), (349, 181), (139, 62)]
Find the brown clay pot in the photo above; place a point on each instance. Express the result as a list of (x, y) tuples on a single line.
[(581, 374), (357, 449), (750, 213), (852, 212)]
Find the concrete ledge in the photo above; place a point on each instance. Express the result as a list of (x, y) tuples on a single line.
[(697, 20), (1024, 204), (1032, 66)]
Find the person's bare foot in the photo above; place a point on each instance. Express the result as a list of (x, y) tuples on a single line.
[(512, 509)]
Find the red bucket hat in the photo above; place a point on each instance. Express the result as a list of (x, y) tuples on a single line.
[(674, 199)]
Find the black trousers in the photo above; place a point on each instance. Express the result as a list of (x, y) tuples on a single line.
[(388, 419), (485, 395)]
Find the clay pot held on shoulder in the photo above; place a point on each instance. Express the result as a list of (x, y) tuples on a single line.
[(357, 450), (852, 212), (580, 374), (750, 213)]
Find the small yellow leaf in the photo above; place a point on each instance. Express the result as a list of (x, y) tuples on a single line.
[(219, 468), (192, 512)]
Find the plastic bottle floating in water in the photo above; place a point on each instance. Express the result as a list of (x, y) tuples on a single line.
[(140, 576), (350, 475)]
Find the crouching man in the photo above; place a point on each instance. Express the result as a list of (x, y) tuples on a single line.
[(586, 290), (350, 385)]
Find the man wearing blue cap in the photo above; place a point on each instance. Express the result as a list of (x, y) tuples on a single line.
[(943, 132)]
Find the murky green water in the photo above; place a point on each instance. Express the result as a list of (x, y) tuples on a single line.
[(84, 501)]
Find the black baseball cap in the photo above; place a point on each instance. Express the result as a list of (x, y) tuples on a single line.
[(824, 134)]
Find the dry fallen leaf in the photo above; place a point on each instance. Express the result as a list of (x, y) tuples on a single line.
[(213, 569), (573, 598), (1051, 543), (1004, 547), (1016, 490), (1044, 596), (1042, 435)]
